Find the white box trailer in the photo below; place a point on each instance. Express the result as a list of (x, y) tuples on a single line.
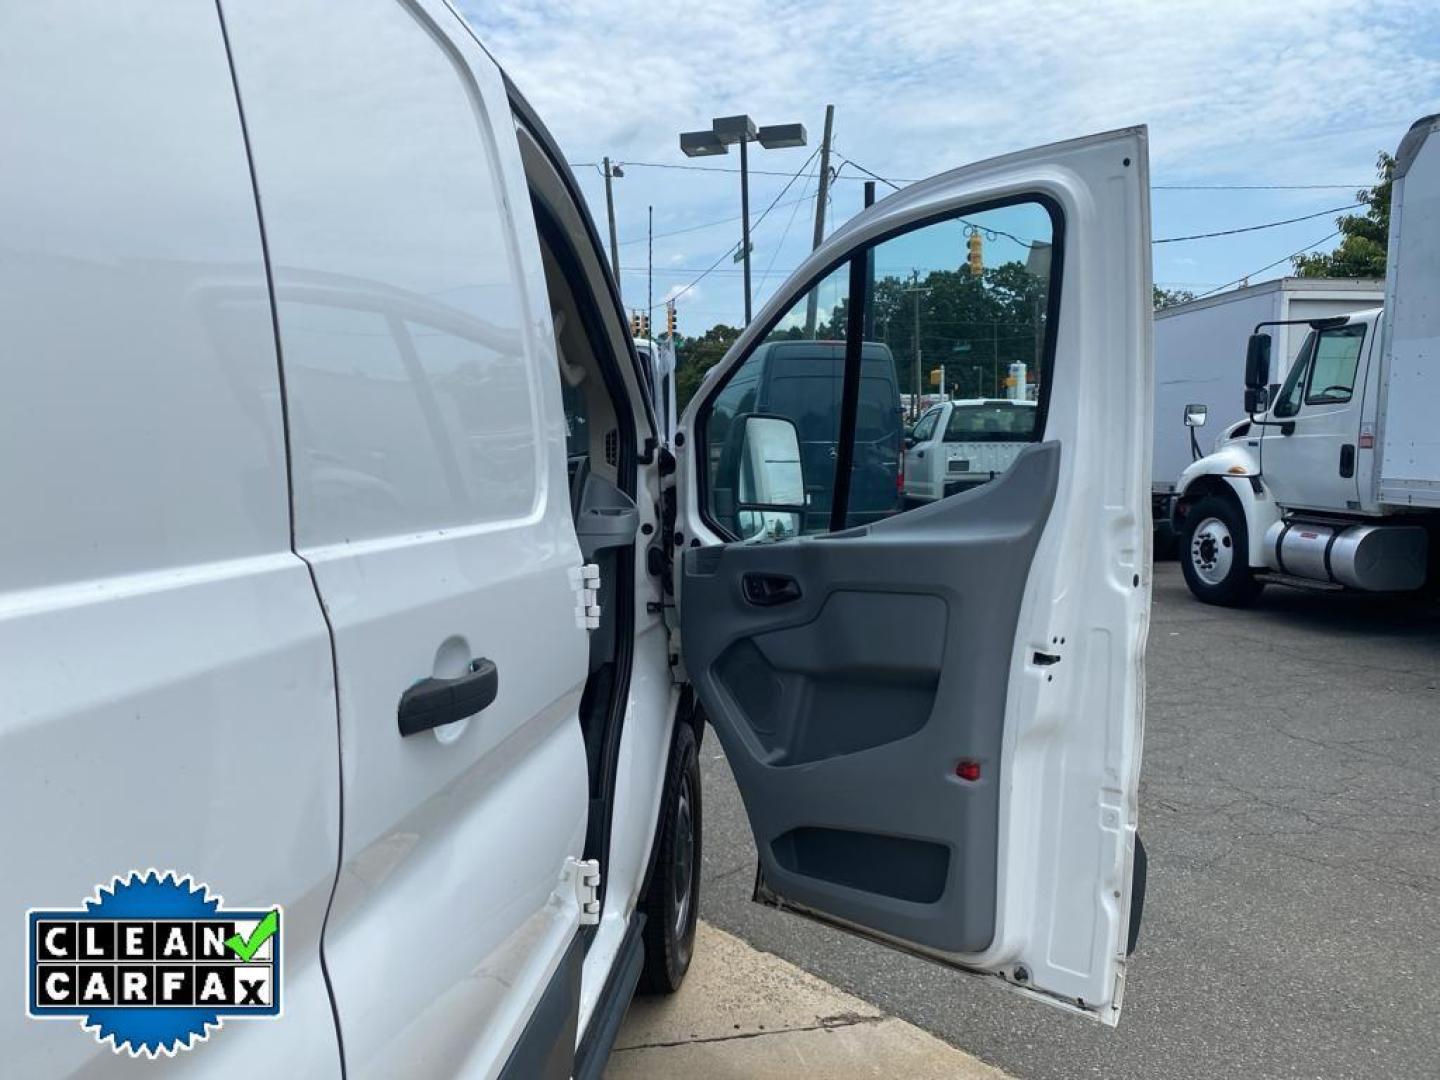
[(1200, 356), (1407, 425)]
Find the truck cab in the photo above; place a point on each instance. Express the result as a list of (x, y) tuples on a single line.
[(1333, 483)]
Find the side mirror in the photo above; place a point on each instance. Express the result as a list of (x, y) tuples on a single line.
[(1257, 400), (771, 501), (1196, 415), (1257, 361)]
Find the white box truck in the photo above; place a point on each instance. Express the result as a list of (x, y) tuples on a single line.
[(1198, 346), (1334, 480)]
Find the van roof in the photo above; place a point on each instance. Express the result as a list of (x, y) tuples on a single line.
[(804, 348)]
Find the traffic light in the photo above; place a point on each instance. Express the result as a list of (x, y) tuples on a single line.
[(976, 257), (670, 318), (635, 324), (645, 324)]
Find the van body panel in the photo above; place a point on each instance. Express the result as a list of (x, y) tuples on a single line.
[(166, 692), (430, 499)]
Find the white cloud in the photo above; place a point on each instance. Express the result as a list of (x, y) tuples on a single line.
[(1233, 90)]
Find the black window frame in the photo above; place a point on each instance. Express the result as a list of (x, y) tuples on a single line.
[(1299, 372), (859, 259)]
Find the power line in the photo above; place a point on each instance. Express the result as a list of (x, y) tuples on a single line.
[(713, 266), (706, 225), (897, 183), (1255, 228), (775, 254), (1268, 266)]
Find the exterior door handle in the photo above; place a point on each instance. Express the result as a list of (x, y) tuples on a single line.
[(432, 702)]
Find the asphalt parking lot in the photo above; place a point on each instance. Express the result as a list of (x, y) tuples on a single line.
[(1290, 803)]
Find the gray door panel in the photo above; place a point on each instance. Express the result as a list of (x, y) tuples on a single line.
[(847, 675)]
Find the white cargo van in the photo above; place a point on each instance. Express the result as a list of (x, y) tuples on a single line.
[(344, 573)]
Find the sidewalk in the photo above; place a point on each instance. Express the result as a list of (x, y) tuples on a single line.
[(745, 1013)]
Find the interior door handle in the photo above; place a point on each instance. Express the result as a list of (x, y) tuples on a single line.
[(767, 590), (432, 702)]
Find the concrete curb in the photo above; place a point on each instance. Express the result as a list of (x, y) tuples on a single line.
[(746, 1013)]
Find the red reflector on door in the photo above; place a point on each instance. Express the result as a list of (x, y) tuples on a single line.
[(967, 770), (1367, 441)]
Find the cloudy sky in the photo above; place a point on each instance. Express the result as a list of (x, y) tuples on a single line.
[(1299, 96)]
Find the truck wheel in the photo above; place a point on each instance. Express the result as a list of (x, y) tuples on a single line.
[(1213, 554), (672, 901)]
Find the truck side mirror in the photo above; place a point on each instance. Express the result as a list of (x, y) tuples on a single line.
[(1196, 415), (1257, 362), (771, 486), (1257, 399)]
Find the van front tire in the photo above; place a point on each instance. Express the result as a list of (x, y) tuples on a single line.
[(672, 902), (1214, 554)]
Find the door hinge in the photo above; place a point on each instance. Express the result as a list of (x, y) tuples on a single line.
[(584, 877), (585, 580)]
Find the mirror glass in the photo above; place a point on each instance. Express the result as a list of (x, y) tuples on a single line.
[(771, 481), (1196, 415), (1257, 361)]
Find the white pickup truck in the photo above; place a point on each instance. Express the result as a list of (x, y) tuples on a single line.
[(1333, 482), (962, 444)]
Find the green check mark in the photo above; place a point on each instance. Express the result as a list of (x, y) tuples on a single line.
[(244, 948)]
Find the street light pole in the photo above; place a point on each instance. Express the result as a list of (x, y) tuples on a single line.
[(725, 130)]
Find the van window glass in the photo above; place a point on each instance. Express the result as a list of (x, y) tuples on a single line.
[(954, 310), (1332, 372), (796, 372), (959, 308)]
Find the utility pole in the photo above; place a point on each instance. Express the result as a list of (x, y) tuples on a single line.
[(995, 331), (610, 212), (821, 195), (745, 219), (650, 259), (915, 290)]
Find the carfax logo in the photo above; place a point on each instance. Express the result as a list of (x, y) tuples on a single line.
[(152, 963)]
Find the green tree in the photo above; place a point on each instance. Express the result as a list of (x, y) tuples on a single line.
[(694, 356), (972, 327), (1364, 237), (1170, 297)]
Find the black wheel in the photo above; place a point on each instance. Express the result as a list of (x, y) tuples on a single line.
[(1213, 554), (672, 902)]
